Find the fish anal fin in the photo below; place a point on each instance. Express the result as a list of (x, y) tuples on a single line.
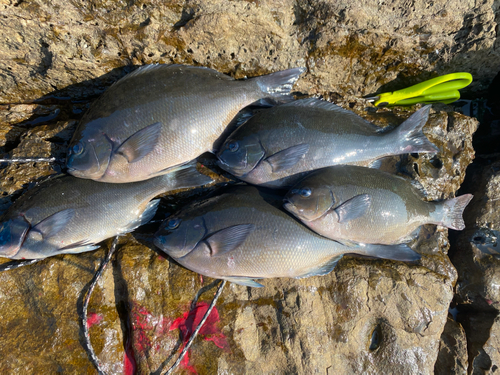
[(144, 218), (323, 269), (245, 281)]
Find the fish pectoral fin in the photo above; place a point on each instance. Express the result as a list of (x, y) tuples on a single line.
[(324, 269), (229, 239), (245, 281), (141, 143), (51, 225), (353, 208), (287, 158)]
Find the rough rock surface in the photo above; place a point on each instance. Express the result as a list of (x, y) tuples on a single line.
[(291, 326), (452, 358), (349, 48), (367, 316), (478, 254)]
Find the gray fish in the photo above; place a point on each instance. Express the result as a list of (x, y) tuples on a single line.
[(161, 116), (68, 215), (352, 203), (242, 235), (276, 146)]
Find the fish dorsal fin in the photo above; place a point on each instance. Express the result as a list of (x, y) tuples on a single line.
[(51, 225), (141, 143), (327, 106), (316, 103), (353, 208), (324, 269), (229, 239), (245, 281), (145, 69), (287, 158)]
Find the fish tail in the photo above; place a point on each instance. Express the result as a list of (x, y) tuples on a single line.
[(451, 211), (411, 138), (394, 252), (279, 84)]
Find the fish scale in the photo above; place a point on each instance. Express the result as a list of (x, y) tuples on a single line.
[(70, 215), (277, 146), (210, 239), (161, 116), (352, 203)]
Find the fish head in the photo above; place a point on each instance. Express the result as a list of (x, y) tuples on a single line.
[(308, 201), (179, 236), (88, 157), (241, 156), (12, 235)]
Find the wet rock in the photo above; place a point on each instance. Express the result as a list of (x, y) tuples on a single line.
[(477, 257), (368, 316), (452, 357)]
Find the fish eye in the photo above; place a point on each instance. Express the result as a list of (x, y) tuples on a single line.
[(77, 149), (305, 192), (173, 223), (233, 146)]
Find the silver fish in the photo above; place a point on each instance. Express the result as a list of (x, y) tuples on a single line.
[(242, 235), (352, 203), (160, 116), (276, 146), (68, 215)]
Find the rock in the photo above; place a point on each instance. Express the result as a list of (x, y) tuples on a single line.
[(142, 305), (477, 256), (369, 316), (452, 357), (482, 330), (76, 49)]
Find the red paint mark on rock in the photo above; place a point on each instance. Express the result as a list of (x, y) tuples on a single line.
[(129, 365), (146, 329), (188, 323), (93, 318)]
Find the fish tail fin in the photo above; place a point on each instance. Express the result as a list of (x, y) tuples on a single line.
[(451, 211), (410, 137), (186, 176), (279, 84), (394, 252)]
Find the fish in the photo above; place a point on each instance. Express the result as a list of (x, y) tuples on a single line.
[(244, 234), (162, 116), (357, 204), (69, 215), (277, 146)]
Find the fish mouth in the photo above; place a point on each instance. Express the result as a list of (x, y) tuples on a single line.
[(290, 207)]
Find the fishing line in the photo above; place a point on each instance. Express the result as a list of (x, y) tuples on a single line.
[(17, 264), (193, 336), (90, 349), (28, 160)]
